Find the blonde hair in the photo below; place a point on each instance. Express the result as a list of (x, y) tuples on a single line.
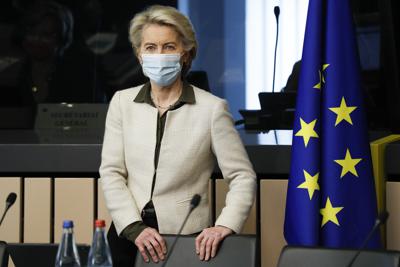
[(167, 16)]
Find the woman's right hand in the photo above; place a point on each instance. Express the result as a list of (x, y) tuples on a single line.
[(149, 240)]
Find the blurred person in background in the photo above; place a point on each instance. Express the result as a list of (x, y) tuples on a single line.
[(55, 68)]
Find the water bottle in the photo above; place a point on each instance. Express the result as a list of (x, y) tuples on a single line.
[(67, 254), (99, 254)]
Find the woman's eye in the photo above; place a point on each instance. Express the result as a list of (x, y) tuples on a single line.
[(170, 47), (149, 48)]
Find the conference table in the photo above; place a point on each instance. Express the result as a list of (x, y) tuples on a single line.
[(56, 164)]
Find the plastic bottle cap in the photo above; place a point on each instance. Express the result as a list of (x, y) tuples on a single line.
[(100, 223), (68, 224)]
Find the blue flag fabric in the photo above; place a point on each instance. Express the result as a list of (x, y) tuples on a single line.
[(331, 197)]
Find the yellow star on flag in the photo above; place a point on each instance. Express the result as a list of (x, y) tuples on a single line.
[(321, 77), (307, 131), (343, 112), (348, 164), (310, 183), (329, 213)]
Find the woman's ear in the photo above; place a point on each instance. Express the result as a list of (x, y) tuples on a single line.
[(185, 58), (139, 58)]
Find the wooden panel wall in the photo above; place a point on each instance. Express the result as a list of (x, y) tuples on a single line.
[(221, 188), (273, 201), (74, 200), (38, 208), (10, 228), (393, 223)]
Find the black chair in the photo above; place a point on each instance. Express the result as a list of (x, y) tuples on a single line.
[(40, 254), (3, 254), (313, 257), (278, 109), (199, 79), (235, 251)]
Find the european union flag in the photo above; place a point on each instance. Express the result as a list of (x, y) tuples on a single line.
[(331, 197)]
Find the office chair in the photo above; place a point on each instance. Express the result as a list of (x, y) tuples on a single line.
[(199, 79), (3, 254), (235, 251), (313, 257), (40, 254)]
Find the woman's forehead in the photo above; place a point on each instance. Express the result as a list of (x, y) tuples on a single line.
[(154, 33)]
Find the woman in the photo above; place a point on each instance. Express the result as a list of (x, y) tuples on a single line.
[(160, 145)]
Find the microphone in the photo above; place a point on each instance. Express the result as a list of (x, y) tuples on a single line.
[(277, 11), (193, 204), (381, 219), (9, 202)]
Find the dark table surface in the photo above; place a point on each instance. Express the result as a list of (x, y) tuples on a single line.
[(78, 152)]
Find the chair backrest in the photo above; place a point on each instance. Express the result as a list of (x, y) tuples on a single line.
[(276, 102), (235, 251), (40, 254), (198, 78), (313, 257), (3, 254)]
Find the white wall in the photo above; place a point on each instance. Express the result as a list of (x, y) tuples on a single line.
[(260, 44)]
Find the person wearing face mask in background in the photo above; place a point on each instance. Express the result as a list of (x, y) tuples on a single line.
[(56, 67), (160, 145)]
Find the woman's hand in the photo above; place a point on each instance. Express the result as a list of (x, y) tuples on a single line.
[(150, 240), (208, 240)]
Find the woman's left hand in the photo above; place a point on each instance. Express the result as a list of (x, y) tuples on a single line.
[(208, 240)]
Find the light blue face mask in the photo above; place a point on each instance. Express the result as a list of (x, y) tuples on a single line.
[(163, 69)]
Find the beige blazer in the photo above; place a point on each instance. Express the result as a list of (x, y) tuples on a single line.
[(194, 136)]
